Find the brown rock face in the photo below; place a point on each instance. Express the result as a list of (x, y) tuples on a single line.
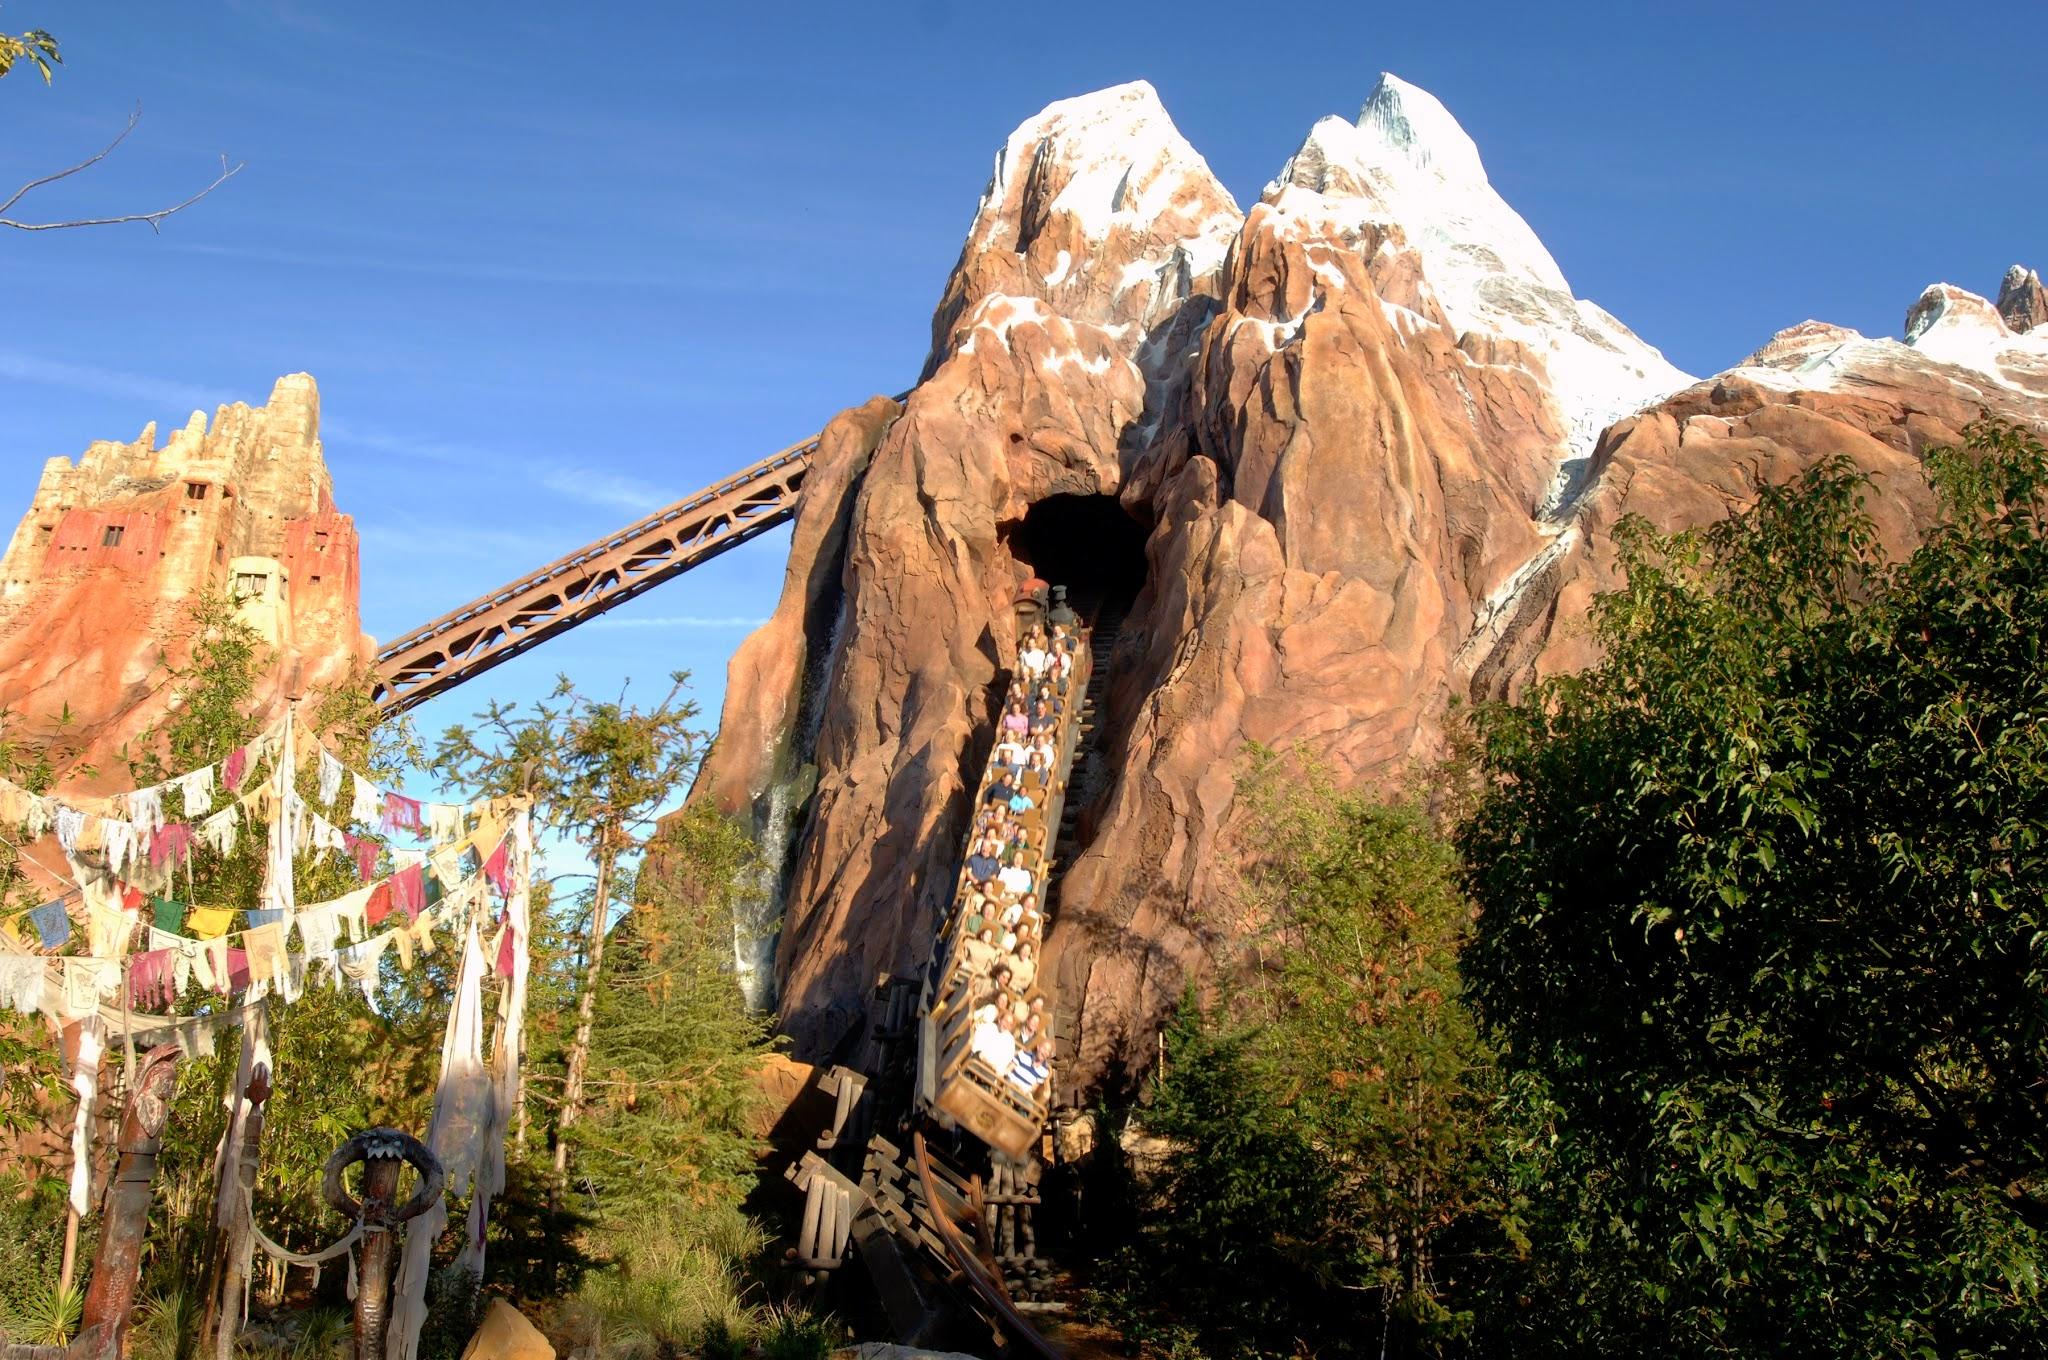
[(1332, 464), (2022, 301), (96, 585)]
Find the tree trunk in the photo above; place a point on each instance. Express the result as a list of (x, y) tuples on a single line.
[(586, 1006)]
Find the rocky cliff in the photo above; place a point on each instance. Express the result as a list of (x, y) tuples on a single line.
[(97, 583), (1332, 462)]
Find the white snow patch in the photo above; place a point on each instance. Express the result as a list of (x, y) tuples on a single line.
[(1329, 272), (1121, 156), (1060, 268), (1948, 325), (1137, 272), (1953, 326), (1406, 320), (1407, 163), (1053, 363)]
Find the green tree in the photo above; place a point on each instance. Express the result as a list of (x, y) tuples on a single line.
[(1327, 1187), (1761, 916), (598, 771), (675, 1046)]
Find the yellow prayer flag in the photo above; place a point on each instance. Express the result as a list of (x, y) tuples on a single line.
[(207, 923)]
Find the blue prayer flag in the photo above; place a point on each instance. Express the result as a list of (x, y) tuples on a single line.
[(51, 924)]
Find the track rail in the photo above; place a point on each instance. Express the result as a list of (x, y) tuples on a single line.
[(492, 629), (987, 1286)]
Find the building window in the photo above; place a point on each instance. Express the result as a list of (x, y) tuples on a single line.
[(249, 585), (319, 542), (195, 491), (112, 537), (218, 555)]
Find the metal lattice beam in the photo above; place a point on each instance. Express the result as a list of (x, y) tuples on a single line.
[(494, 628)]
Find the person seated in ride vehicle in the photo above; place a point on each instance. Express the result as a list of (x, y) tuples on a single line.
[(979, 952), (1031, 1067), (1009, 754), (1023, 966), (1015, 878), (986, 862), (1021, 801), (973, 908), (995, 1043), (1018, 720)]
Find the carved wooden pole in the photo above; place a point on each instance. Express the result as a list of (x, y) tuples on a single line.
[(110, 1300), (228, 1268), (381, 1151)]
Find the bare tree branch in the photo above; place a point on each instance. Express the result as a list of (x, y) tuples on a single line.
[(85, 164), (155, 219)]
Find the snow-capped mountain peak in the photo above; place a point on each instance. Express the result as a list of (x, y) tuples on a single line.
[(1408, 163), (1413, 124)]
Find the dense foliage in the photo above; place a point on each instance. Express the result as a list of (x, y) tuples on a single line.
[(1762, 908), (1320, 1180)]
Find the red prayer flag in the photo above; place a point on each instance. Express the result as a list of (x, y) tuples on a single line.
[(505, 958), (497, 867), (401, 812), (232, 768), (150, 980), (408, 891), (365, 851), (379, 905)]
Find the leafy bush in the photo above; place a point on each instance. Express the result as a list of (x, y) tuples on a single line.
[(1762, 921)]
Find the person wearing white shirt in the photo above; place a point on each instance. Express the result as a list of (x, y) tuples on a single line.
[(996, 1044), (1016, 879)]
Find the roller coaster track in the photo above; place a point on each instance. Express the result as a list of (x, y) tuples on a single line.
[(515, 618)]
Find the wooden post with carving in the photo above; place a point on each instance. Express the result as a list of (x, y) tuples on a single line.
[(110, 1299)]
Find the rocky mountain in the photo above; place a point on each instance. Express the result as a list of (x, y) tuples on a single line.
[(1333, 461), (97, 582)]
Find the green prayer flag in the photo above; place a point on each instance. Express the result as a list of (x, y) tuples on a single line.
[(169, 915)]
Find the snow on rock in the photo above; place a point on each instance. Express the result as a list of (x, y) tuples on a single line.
[(1952, 336), (1099, 207), (1407, 164)]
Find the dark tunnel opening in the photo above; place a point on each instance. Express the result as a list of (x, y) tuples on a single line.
[(1089, 544)]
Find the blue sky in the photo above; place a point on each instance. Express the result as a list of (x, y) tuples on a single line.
[(553, 269)]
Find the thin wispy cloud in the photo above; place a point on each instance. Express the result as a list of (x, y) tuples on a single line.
[(474, 270), (606, 489), (177, 398), (675, 621), (346, 434)]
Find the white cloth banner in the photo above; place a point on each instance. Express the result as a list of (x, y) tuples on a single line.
[(509, 1052), (368, 806), (85, 1080), (462, 1111), (197, 787)]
